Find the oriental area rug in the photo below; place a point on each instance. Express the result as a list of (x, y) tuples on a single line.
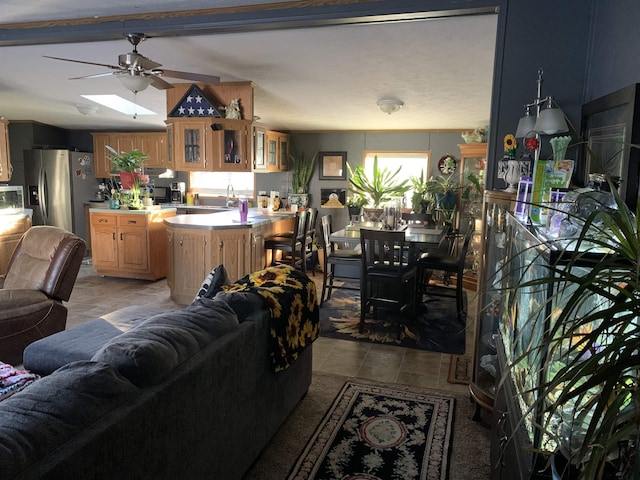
[(375, 432), (436, 327)]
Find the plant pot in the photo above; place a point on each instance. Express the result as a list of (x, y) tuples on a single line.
[(114, 204), (446, 201), (299, 199), (373, 214), (128, 178), (354, 211)]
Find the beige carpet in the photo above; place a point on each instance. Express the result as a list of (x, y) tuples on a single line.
[(470, 451)]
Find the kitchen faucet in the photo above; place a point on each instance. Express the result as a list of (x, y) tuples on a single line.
[(231, 202)]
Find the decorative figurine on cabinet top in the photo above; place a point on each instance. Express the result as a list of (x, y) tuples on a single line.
[(233, 110)]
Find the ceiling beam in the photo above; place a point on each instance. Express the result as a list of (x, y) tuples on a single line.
[(297, 14)]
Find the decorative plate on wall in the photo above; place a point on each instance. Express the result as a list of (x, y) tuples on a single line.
[(447, 164)]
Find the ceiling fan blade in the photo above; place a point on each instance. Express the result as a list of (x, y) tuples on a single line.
[(196, 77), (113, 67), (159, 83), (95, 75)]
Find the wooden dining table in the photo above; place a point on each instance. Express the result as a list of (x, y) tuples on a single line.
[(420, 239)]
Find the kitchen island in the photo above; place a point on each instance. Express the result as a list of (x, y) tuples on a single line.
[(130, 243), (198, 243), (13, 226)]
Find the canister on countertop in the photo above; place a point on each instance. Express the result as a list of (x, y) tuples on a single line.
[(190, 198)]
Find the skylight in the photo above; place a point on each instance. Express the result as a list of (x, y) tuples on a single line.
[(119, 104)]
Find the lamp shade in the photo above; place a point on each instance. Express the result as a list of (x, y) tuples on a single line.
[(551, 121), (135, 83), (525, 125)]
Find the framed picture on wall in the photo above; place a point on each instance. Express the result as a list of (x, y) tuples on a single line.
[(610, 124), (333, 165)]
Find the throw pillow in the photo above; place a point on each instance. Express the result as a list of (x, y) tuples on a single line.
[(213, 283)]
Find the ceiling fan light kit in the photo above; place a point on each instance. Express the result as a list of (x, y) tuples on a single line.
[(390, 105), (136, 72), (136, 82)]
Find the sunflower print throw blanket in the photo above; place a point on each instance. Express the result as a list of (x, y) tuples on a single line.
[(293, 302)]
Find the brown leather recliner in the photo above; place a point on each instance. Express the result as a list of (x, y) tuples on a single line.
[(40, 276)]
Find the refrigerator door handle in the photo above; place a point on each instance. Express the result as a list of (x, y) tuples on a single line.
[(42, 194)]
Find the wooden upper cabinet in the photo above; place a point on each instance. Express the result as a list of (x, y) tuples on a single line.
[(102, 164), (231, 145), (209, 143), (277, 151), (154, 144), (5, 163)]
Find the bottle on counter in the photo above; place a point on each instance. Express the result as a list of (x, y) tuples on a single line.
[(196, 199), (190, 198)]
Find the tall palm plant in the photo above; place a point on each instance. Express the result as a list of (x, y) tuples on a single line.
[(381, 187)]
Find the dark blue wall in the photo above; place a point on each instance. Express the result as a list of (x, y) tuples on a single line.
[(614, 62), (532, 34)]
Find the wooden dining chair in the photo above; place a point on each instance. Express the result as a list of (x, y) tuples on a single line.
[(334, 257), (449, 263), (310, 239), (387, 279), (292, 247)]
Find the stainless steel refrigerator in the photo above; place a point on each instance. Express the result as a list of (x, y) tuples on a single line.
[(58, 183)]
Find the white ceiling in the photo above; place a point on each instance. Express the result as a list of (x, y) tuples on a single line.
[(323, 78)]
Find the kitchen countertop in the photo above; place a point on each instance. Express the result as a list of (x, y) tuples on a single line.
[(133, 212), (17, 214), (227, 219)]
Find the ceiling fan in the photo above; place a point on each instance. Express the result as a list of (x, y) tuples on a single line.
[(136, 72)]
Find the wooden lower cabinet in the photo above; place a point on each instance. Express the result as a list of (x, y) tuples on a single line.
[(11, 233), (130, 245), (194, 252)]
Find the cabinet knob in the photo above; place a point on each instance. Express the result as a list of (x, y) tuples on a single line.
[(181, 241)]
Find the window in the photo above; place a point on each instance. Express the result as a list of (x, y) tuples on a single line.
[(412, 165), (215, 183)]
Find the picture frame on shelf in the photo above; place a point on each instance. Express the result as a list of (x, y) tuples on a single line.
[(333, 197), (333, 165)]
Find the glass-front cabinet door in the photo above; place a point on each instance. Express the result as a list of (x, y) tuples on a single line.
[(473, 159), (190, 145), (496, 205), (259, 149), (229, 145)]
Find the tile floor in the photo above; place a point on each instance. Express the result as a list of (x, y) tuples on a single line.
[(94, 295)]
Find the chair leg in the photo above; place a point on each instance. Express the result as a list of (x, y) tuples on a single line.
[(324, 284), (363, 307), (459, 300)]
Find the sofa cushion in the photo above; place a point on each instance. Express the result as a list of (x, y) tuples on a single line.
[(213, 283), (150, 350), (83, 341), (51, 411)]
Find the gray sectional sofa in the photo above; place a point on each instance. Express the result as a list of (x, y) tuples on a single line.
[(143, 394)]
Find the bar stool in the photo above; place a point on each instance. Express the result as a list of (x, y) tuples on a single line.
[(292, 247)]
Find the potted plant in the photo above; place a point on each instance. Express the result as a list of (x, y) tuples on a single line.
[(589, 399), (381, 187), (127, 163), (301, 171), (355, 203), (422, 200)]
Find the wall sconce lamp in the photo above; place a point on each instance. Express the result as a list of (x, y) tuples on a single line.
[(85, 109), (549, 120), (390, 105)]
